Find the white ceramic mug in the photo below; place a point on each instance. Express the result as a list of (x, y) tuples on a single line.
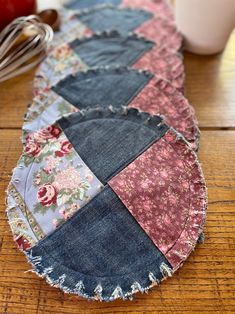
[(205, 24)]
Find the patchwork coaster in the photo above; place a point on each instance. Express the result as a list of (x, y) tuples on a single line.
[(109, 49), (125, 20), (159, 7), (134, 88), (107, 17), (107, 202)]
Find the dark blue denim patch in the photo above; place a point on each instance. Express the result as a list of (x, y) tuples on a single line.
[(103, 87), (101, 245), (85, 4), (101, 19), (111, 49), (107, 140)]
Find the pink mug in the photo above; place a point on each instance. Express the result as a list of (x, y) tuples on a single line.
[(205, 24)]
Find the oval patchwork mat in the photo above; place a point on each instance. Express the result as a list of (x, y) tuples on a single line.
[(107, 202), (109, 49)]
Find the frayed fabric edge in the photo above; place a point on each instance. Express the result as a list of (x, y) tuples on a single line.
[(79, 288)]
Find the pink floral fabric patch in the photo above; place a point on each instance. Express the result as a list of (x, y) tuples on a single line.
[(161, 31), (165, 64), (52, 182), (161, 97), (165, 192)]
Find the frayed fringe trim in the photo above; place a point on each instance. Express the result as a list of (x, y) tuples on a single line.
[(147, 119), (203, 210), (84, 74), (111, 34), (79, 288)]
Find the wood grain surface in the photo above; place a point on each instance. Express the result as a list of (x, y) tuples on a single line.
[(206, 282)]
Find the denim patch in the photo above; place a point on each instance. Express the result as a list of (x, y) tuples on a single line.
[(96, 87), (85, 4), (115, 137), (100, 19), (100, 253), (111, 49)]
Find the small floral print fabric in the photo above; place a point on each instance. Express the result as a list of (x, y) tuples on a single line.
[(172, 105), (52, 181), (166, 65), (164, 191), (162, 31)]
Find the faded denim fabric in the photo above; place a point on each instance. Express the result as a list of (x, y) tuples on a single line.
[(100, 252), (103, 87), (111, 49), (85, 4), (107, 141), (111, 18)]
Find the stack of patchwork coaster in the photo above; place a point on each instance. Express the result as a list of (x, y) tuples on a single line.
[(108, 197)]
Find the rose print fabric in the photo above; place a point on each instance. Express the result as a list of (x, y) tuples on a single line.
[(52, 181), (164, 190)]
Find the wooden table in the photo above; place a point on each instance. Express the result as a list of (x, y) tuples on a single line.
[(206, 282)]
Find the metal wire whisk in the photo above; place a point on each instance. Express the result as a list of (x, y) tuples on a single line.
[(23, 44)]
